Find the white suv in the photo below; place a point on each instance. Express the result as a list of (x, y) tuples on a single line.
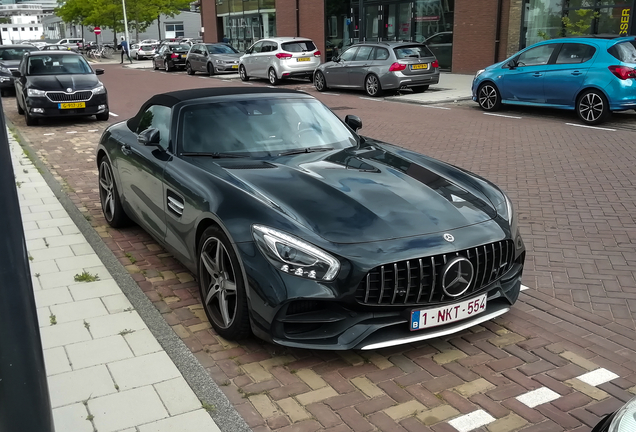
[(279, 58)]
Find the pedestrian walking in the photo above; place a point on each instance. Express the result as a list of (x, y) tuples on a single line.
[(124, 49), (225, 39)]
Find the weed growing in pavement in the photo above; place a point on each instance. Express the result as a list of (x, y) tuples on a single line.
[(129, 309), (130, 257), (208, 407), (88, 217), (86, 277), (116, 387), (90, 417), (18, 184), (225, 383), (124, 332), (37, 275), (53, 319), (45, 242), (30, 258), (26, 171), (87, 325)]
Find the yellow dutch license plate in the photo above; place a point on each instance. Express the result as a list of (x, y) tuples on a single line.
[(71, 105), (303, 59), (184, 55), (419, 66), (234, 66)]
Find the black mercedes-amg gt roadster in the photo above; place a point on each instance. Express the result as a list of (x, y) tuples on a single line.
[(304, 232)]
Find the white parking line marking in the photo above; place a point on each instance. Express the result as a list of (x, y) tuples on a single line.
[(246, 83), (523, 288), (472, 421), (597, 377), (93, 130), (113, 114), (47, 134), (502, 115), (591, 127), (332, 94), (371, 99), (432, 106), (71, 132), (537, 397)]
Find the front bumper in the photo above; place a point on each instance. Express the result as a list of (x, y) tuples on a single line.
[(301, 313), (6, 82), (398, 80), (43, 107), (226, 67)]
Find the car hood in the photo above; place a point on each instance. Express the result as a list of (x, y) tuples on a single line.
[(350, 196), (226, 57), (63, 82), (13, 64)]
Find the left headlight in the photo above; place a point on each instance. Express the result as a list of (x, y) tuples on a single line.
[(35, 92), (100, 89), (506, 210), (294, 256), (219, 61), (4, 69), (625, 418), (479, 72)]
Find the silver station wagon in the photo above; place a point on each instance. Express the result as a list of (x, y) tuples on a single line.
[(379, 66)]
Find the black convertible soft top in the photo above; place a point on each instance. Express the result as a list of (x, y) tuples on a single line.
[(172, 98)]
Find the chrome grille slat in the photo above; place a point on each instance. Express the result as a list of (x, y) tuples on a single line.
[(77, 96), (421, 274)]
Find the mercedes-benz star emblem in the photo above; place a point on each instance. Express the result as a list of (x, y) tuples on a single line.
[(457, 276), (69, 90), (449, 237)]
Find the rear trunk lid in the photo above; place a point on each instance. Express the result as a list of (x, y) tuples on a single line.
[(304, 54), (419, 60)]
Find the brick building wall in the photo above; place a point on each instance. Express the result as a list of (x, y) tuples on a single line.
[(474, 34)]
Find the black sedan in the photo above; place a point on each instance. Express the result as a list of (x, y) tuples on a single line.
[(304, 232), (171, 56), (59, 84), (10, 57)]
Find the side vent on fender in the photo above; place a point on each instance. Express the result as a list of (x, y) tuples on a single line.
[(175, 204)]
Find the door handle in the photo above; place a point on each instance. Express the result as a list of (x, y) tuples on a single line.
[(577, 73), (537, 74), (125, 149)]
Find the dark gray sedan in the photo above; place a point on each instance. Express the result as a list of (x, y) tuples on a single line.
[(212, 58), (10, 57), (375, 67)]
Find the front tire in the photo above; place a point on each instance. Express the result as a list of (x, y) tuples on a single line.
[(271, 76), (154, 65), (109, 197), (592, 107), (221, 285), (30, 120), (489, 97), (103, 116), (20, 110), (243, 73), (211, 70), (372, 86), (320, 82), (189, 69)]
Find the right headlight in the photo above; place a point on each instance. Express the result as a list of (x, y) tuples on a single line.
[(506, 210), (625, 418), (295, 256), (479, 72), (35, 92)]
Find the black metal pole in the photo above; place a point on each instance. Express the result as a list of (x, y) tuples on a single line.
[(498, 30), (297, 18), (24, 394)]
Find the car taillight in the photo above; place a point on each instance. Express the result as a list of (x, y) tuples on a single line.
[(623, 72), (317, 54), (173, 55), (395, 67), (435, 64), (283, 56)]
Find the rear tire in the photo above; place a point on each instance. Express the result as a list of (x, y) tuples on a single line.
[(112, 209), (419, 89), (271, 76), (189, 69), (243, 73), (320, 82), (154, 65), (166, 66), (592, 107), (372, 86), (488, 97)]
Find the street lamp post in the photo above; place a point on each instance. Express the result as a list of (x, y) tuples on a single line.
[(123, 5)]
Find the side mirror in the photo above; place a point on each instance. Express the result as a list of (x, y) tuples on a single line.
[(149, 137), (16, 73), (248, 51), (336, 59), (512, 64), (205, 53), (99, 71), (353, 122)]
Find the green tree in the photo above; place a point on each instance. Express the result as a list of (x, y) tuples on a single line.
[(582, 26)]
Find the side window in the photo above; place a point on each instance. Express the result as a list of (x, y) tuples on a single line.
[(157, 116), (434, 40), (536, 56), (575, 53), (363, 53), (381, 54), (349, 54), (258, 47)]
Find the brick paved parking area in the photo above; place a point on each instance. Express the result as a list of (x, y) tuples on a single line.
[(564, 356)]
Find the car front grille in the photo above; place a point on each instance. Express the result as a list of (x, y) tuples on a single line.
[(418, 281), (78, 96)]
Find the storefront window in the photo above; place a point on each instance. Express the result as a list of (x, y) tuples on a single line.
[(340, 27), (246, 21)]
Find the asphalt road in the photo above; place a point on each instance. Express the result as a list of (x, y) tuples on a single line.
[(574, 191)]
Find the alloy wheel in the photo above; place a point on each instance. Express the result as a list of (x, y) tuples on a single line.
[(272, 77), (319, 81), (487, 97), (591, 107), (106, 191), (372, 85), (219, 283)]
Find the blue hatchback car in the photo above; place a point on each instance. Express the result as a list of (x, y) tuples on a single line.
[(591, 75)]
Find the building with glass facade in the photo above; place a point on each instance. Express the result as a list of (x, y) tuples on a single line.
[(465, 35)]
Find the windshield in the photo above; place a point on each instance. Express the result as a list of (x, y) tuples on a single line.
[(624, 51), (262, 127), (182, 47), (147, 48), (414, 51), (221, 49), (57, 64), (14, 53)]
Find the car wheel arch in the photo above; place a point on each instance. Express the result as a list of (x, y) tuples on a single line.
[(587, 88)]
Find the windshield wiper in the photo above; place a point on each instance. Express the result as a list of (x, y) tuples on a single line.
[(305, 150), (215, 155)]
